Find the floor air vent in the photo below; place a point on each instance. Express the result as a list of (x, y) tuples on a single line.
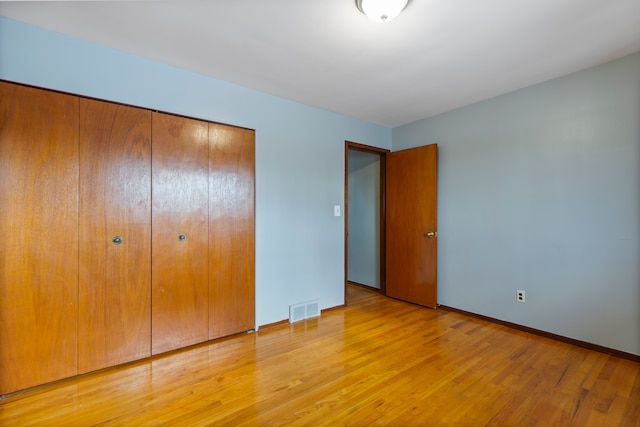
[(304, 310)]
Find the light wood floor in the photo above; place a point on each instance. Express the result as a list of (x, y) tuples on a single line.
[(377, 362)]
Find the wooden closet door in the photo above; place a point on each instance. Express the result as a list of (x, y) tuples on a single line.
[(180, 170), (115, 202), (39, 229), (231, 230)]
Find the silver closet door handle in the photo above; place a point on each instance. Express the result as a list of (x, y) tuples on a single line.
[(116, 240)]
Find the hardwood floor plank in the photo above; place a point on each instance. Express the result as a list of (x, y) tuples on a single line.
[(378, 361)]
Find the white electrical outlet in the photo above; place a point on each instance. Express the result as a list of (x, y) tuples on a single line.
[(520, 296)]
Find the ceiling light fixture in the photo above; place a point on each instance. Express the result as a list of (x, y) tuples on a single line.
[(381, 10)]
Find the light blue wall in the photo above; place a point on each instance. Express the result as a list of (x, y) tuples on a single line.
[(299, 152), (364, 218), (539, 190)]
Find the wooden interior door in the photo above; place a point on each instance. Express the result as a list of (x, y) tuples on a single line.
[(115, 235), (180, 202), (39, 229), (231, 230), (411, 214)]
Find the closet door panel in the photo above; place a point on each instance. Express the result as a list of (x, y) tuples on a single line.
[(231, 230), (39, 229), (180, 208), (115, 204)]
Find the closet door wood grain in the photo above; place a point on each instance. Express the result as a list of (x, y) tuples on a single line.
[(231, 230), (39, 229), (115, 201), (180, 170)]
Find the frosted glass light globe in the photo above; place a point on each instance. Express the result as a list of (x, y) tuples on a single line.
[(381, 10)]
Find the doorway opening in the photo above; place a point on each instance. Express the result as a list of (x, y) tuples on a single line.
[(365, 216)]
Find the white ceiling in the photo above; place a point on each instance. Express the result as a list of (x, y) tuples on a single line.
[(436, 56)]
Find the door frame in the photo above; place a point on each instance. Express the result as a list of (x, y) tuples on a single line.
[(382, 152)]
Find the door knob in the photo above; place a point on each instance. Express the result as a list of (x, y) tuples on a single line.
[(116, 240), (182, 237), (431, 234)]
